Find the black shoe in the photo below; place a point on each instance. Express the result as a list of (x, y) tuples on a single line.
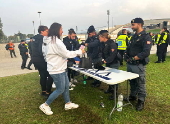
[(111, 97), (25, 67), (45, 95), (130, 98), (29, 68), (163, 60), (95, 85), (108, 91), (158, 62), (140, 105), (22, 68)]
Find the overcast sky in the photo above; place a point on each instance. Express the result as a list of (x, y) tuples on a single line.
[(17, 15)]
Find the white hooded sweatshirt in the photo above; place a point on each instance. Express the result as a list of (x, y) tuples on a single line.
[(56, 54)]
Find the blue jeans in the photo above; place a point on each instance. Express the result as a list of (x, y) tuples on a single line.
[(62, 87)]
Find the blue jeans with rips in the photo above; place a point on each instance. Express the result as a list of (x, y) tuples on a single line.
[(62, 87)]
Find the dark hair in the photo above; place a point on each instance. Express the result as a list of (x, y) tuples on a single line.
[(71, 31), (54, 30), (42, 28), (123, 31), (165, 28), (105, 34)]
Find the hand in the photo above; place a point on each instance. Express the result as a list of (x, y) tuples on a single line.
[(104, 62), (83, 51), (86, 44), (136, 58), (26, 53)]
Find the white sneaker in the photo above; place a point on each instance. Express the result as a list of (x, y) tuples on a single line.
[(53, 85), (74, 81), (72, 85), (71, 106), (46, 109), (71, 88)]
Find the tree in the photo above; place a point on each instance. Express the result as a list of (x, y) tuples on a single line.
[(1, 32), (30, 35)]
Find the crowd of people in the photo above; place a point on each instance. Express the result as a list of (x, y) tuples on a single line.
[(53, 57)]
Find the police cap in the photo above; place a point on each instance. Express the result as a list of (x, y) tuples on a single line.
[(22, 40), (91, 29), (137, 20), (103, 31)]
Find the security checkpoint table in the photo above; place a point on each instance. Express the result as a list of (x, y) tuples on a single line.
[(109, 76)]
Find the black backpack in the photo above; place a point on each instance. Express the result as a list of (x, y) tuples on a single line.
[(7, 47)]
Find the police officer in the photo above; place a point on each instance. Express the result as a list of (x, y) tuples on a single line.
[(122, 41), (24, 53), (30, 52), (136, 57), (93, 50), (162, 44), (109, 55), (71, 44)]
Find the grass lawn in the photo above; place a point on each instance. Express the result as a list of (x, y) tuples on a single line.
[(20, 100), (154, 31)]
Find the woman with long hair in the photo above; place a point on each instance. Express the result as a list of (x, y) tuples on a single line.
[(56, 55)]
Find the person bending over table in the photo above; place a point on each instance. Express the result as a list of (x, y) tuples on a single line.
[(109, 55)]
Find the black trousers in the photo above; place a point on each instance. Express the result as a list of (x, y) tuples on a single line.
[(30, 62), (24, 60), (12, 52), (161, 51), (45, 79), (121, 52), (71, 74)]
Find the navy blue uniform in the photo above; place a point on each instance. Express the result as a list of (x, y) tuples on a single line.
[(140, 45), (23, 50)]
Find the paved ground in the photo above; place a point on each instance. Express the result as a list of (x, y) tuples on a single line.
[(12, 66)]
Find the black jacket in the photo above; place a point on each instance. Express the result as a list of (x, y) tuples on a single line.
[(140, 46), (93, 50), (71, 45), (36, 46), (23, 49), (109, 52)]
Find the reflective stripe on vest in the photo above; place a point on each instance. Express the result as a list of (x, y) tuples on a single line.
[(121, 40)]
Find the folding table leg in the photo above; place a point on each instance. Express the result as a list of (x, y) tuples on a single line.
[(115, 102)]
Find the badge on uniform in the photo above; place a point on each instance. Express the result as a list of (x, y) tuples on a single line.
[(148, 42)]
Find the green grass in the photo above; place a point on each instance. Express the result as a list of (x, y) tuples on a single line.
[(20, 99), (154, 31)]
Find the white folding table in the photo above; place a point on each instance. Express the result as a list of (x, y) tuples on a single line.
[(109, 76)]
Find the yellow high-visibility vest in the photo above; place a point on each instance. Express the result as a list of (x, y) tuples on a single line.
[(121, 41), (158, 37), (26, 45), (129, 38), (153, 38), (164, 38)]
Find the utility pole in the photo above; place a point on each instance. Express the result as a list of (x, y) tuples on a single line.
[(39, 17), (33, 27), (108, 13)]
